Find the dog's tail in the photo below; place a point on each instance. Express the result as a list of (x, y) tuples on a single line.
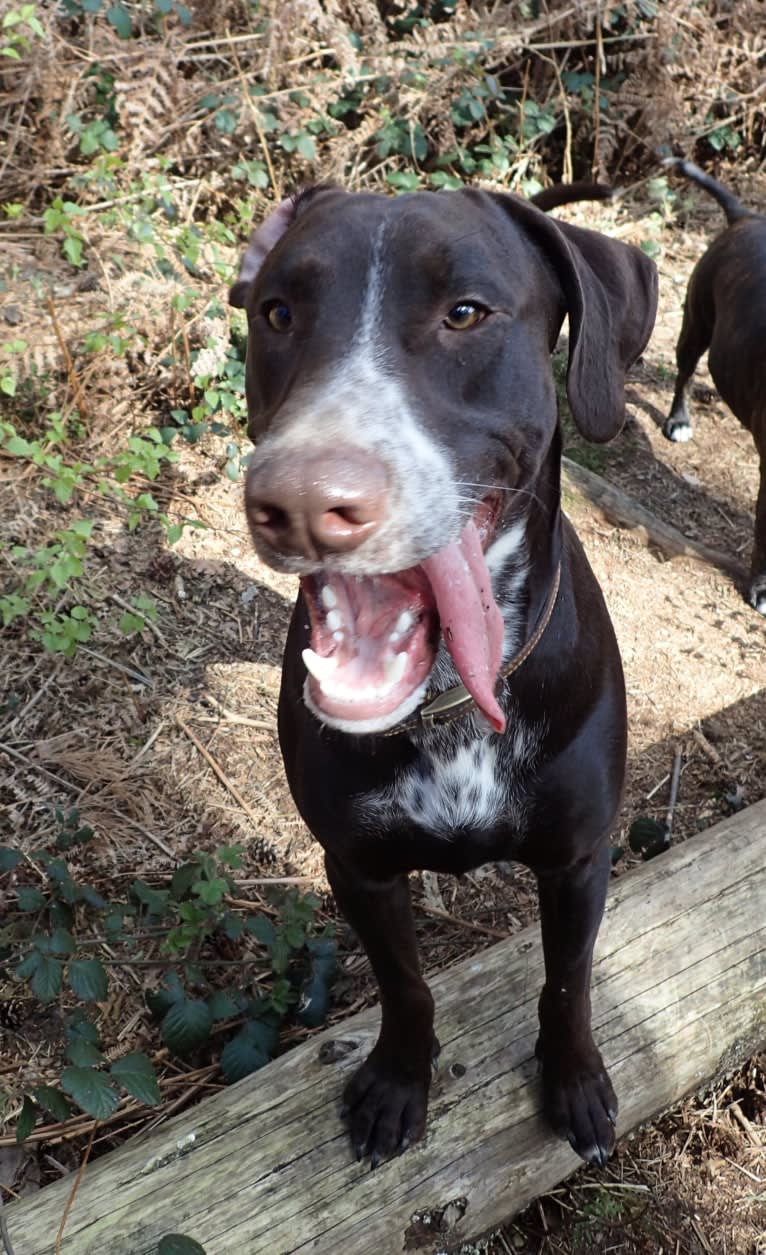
[(733, 208), (565, 193)]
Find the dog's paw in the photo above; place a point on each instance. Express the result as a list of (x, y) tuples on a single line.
[(677, 429), (580, 1105), (384, 1109), (758, 594)]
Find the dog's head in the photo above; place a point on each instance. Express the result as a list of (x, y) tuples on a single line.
[(403, 406)]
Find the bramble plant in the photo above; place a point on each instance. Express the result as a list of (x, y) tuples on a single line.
[(55, 923), (52, 571), (19, 27)]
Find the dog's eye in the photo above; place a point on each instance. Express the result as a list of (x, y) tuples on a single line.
[(277, 315), (464, 315)]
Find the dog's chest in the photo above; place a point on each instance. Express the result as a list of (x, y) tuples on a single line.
[(460, 780)]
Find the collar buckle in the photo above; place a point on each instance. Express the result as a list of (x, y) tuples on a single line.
[(446, 706)]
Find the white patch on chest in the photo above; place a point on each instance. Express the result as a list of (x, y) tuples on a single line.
[(462, 780)]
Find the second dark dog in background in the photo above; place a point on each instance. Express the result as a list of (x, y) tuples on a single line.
[(725, 312)]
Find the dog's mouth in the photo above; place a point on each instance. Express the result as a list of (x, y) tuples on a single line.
[(374, 639)]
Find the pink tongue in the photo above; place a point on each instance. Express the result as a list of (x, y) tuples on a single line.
[(471, 623)]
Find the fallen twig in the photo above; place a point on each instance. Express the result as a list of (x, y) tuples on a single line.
[(675, 777), (465, 923), (75, 1188), (707, 749), (219, 771), (125, 605), (70, 370)]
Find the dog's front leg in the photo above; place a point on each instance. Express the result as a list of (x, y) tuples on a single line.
[(386, 1100), (578, 1098)]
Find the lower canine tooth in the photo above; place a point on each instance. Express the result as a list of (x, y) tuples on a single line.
[(393, 668), (318, 666)]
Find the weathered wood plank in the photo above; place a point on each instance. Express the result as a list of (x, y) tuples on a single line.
[(679, 994)]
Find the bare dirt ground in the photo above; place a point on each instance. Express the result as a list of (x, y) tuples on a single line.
[(109, 733)]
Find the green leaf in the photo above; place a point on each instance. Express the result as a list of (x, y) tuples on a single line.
[(241, 1056), (60, 941), (306, 147), (26, 1120), (9, 858), (262, 929), (62, 915), (30, 899), (118, 17), (183, 879), (222, 1007), (315, 991), (136, 1074), (46, 982), (79, 1026), (212, 891), (72, 249), (155, 900), (179, 1244), (28, 965), (91, 897), (91, 1090), (159, 1001), (648, 837), (53, 1101), (232, 925), (131, 623), (186, 1025), (83, 1053), (88, 980)]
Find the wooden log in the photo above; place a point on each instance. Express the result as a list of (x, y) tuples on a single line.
[(617, 507), (679, 994)]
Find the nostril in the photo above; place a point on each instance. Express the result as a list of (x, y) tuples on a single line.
[(341, 523), (355, 515), (271, 516)]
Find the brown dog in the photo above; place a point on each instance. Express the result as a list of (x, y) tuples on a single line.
[(725, 312), (452, 692)]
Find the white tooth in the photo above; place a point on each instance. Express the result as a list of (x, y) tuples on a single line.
[(334, 620), (394, 637), (404, 622), (337, 636), (329, 598), (317, 666), (393, 669)]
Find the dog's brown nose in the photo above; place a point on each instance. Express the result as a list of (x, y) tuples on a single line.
[(315, 505)]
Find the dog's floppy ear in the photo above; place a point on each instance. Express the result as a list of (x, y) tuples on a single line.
[(265, 237), (261, 242), (610, 291)]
